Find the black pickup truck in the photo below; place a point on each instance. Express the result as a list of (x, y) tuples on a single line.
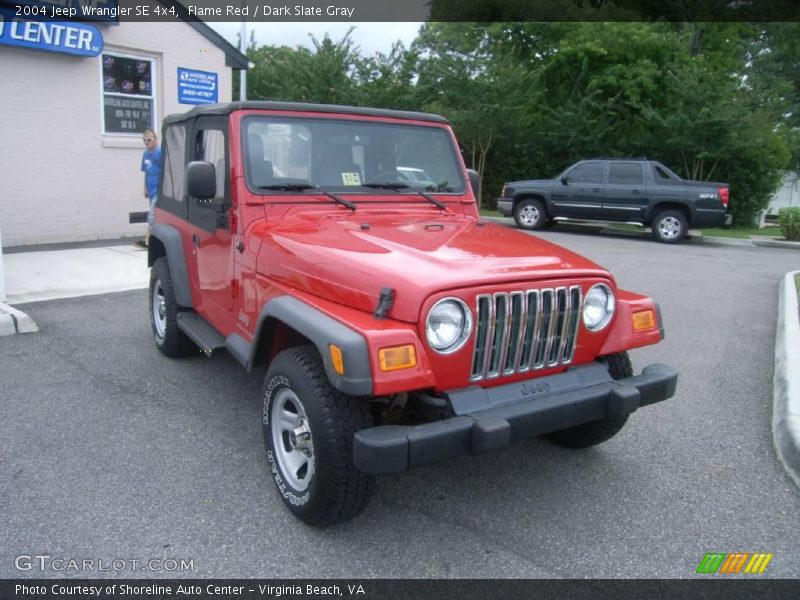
[(639, 191)]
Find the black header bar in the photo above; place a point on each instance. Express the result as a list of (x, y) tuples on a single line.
[(406, 10)]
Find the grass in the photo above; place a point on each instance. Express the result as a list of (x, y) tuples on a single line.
[(486, 212)]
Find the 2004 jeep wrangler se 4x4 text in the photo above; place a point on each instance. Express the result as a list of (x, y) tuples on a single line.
[(341, 250)]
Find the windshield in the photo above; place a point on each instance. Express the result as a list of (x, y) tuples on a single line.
[(349, 156)]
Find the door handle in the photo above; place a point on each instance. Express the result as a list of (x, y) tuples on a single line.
[(195, 239), (634, 191)]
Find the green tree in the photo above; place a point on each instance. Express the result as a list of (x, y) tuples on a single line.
[(388, 81), (481, 91), (633, 89), (324, 74)]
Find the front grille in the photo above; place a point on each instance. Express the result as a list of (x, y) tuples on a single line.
[(521, 331)]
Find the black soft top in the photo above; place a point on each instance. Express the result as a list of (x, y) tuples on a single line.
[(226, 109)]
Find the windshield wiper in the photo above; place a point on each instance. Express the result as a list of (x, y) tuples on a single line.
[(402, 186), (287, 187), (302, 187)]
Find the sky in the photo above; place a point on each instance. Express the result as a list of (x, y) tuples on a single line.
[(368, 37)]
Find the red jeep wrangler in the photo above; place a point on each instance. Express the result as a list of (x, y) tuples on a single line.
[(341, 250)]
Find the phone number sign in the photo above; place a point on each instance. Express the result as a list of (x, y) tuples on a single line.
[(197, 87)]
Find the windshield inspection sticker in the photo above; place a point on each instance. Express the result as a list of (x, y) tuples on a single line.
[(351, 178)]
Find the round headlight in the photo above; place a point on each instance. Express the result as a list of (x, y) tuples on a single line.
[(448, 325), (598, 307)]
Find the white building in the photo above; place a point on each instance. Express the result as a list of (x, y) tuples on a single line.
[(75, 100), (788, 194)]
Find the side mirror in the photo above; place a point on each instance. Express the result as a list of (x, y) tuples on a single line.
[(201, 180), (564, 180), (474, 181)]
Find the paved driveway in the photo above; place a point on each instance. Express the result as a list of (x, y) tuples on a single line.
[(110, 451)]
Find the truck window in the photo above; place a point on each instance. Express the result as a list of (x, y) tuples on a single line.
[(664, 175), (173, 149), (587, 172), (625, 173), (173, 152), (211, 148)]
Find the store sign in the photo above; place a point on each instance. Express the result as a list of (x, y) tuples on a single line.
[(197, 87), (79, 39), (127, 115)]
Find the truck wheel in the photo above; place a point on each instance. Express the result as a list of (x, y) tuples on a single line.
[(670, 226), (530, 214), (164, 313), (308, 431), (597, 432)]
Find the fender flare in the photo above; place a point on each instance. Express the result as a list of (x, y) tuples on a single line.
[(663, 204), (170, 238), (532, 194), (322, 330)]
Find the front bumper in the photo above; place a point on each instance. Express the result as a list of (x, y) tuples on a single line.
[(505, 206), (487, 419)]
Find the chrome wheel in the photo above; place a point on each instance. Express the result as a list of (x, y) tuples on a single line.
[(159, 308), (529, 215), (669, 228), (291, 438)]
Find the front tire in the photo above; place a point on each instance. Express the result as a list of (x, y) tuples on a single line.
[(670, 226), (308, 429), (164, 311), (530, 214), (597, 432)]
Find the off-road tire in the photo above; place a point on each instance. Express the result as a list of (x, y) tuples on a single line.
[(670, 226), (336, 491), (597, 432), (167, 335), (530, 214)]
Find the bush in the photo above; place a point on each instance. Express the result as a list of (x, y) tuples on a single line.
[(789, 219)]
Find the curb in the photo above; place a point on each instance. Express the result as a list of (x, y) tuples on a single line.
[(13, 321), (769, 243), (786, 383), (725, 241)]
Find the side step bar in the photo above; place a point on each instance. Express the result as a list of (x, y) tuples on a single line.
[(200, 332)]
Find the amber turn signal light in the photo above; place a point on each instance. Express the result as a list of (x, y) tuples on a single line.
[(644, 320), (397, 357), (336, 358)]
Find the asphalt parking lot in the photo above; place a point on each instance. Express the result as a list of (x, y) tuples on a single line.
[(111, 451)]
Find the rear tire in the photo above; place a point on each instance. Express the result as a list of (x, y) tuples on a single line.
[(530, 214), (670, 226), (308, 429), (597, 432), (164, 311)]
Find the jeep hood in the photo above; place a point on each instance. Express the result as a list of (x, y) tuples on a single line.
[(350, 258)]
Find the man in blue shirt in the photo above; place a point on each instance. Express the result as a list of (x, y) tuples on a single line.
[(151, 167)]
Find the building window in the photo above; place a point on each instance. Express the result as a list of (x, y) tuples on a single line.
[(128, 94)]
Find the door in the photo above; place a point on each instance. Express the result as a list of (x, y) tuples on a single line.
[(582, 194), (625, 195), (211, 235)]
